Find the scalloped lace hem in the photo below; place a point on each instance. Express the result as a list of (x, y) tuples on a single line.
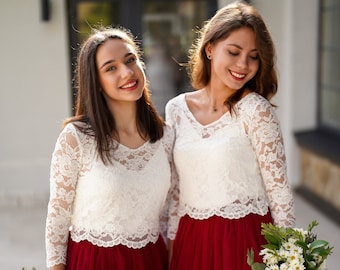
[(133, 242), (201, 215), (56, 262)]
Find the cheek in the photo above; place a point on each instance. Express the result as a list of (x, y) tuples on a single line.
[(142, 75), (255, 66)]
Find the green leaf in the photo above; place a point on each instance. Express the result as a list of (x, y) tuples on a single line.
[(318, 244), (251, 263), (324, 252), (250, 257), (302, 244), (272, 240), (258, 266), (311, 264), (271, 247), (313, 224)]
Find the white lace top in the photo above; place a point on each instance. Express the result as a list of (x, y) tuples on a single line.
[(231, 167), (107, 205)]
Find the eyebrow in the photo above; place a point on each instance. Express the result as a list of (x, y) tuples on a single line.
[(112, 60), (239, 47)]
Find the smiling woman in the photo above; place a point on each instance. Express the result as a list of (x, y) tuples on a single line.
[(228, 140), (111, 158), (120, 73)]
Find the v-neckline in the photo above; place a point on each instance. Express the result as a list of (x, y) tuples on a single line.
[(143, 145), (192, 116), (226, 114)]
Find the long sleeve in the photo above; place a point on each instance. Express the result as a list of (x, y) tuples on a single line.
[(267, 141), (168, 142), (173, 196), (65, 166)]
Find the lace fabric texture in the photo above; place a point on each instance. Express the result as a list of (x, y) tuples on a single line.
[(119, 203), (231, 167)]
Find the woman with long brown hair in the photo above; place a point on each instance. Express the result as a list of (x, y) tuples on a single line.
[(229, 152), (111, 167)]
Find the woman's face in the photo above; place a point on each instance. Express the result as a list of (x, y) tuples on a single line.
[(120, 72), (234, 60)]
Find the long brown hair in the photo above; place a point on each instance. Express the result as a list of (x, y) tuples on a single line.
[(91, 107), (226, 20)]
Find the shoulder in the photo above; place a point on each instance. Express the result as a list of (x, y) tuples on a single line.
[(173, 107), (255, 99), (75, 128), (176, 101), (253, 104), (75, 132)]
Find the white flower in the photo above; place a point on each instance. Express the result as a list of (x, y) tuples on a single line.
[(269, 256), (287, 245), (317, 258), (272, 267), (286, 248), (296, 264), (284, 266)]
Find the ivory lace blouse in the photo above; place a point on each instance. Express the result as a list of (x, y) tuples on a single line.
[(231, 167), (120, 203)]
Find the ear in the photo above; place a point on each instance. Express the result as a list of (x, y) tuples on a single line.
[(208, 50)]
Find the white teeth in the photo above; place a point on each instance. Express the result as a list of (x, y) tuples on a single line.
[(129, 85), (237, 75)]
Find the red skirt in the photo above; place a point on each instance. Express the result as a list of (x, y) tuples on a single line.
[(86, 256), (217, 243)]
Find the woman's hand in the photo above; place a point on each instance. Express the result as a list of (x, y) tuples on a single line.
[(58, 267)]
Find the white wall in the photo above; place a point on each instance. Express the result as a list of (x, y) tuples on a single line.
[(293, 25), (34, 95)]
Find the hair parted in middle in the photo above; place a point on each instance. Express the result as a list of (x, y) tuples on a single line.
[(91, 107), (226, 20)]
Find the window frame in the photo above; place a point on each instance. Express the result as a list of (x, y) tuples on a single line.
[(324, 140)]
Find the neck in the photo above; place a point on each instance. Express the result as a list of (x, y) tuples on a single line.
[(215, 100), (125, 116)]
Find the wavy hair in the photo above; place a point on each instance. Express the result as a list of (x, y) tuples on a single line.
[(226, 20), (91, 106)]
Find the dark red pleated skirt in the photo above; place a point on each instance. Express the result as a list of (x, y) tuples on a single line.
[(217, 243), (86, 256)]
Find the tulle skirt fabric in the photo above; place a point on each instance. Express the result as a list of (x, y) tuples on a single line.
[(217, 243), (86, 256)]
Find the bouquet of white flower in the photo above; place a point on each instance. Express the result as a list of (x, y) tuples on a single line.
[(291, 249)]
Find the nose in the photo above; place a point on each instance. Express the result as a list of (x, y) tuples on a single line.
[(242, 62), (126, 71)]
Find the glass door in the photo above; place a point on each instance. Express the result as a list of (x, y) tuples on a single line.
[(165, 28)]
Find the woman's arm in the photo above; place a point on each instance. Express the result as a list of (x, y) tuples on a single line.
[(268, 143), (65, 166)]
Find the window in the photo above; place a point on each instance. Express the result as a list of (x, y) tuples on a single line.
[(329, 112), (166, 29), (168, 32), (325, 140)]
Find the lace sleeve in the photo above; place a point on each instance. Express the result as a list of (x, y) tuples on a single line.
[(173, 196), (168, 141), (65, 166), (267, 140)]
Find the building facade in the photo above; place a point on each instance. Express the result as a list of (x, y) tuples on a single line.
[(39, 46)]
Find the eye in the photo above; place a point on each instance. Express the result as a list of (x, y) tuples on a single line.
[(254, 57), (233, 53), (131, 60), (111, 68)]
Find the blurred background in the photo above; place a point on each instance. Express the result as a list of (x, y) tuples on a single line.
[(39, 44)]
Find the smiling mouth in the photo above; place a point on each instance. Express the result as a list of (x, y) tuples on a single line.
[(129, 85), (237, 75)]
